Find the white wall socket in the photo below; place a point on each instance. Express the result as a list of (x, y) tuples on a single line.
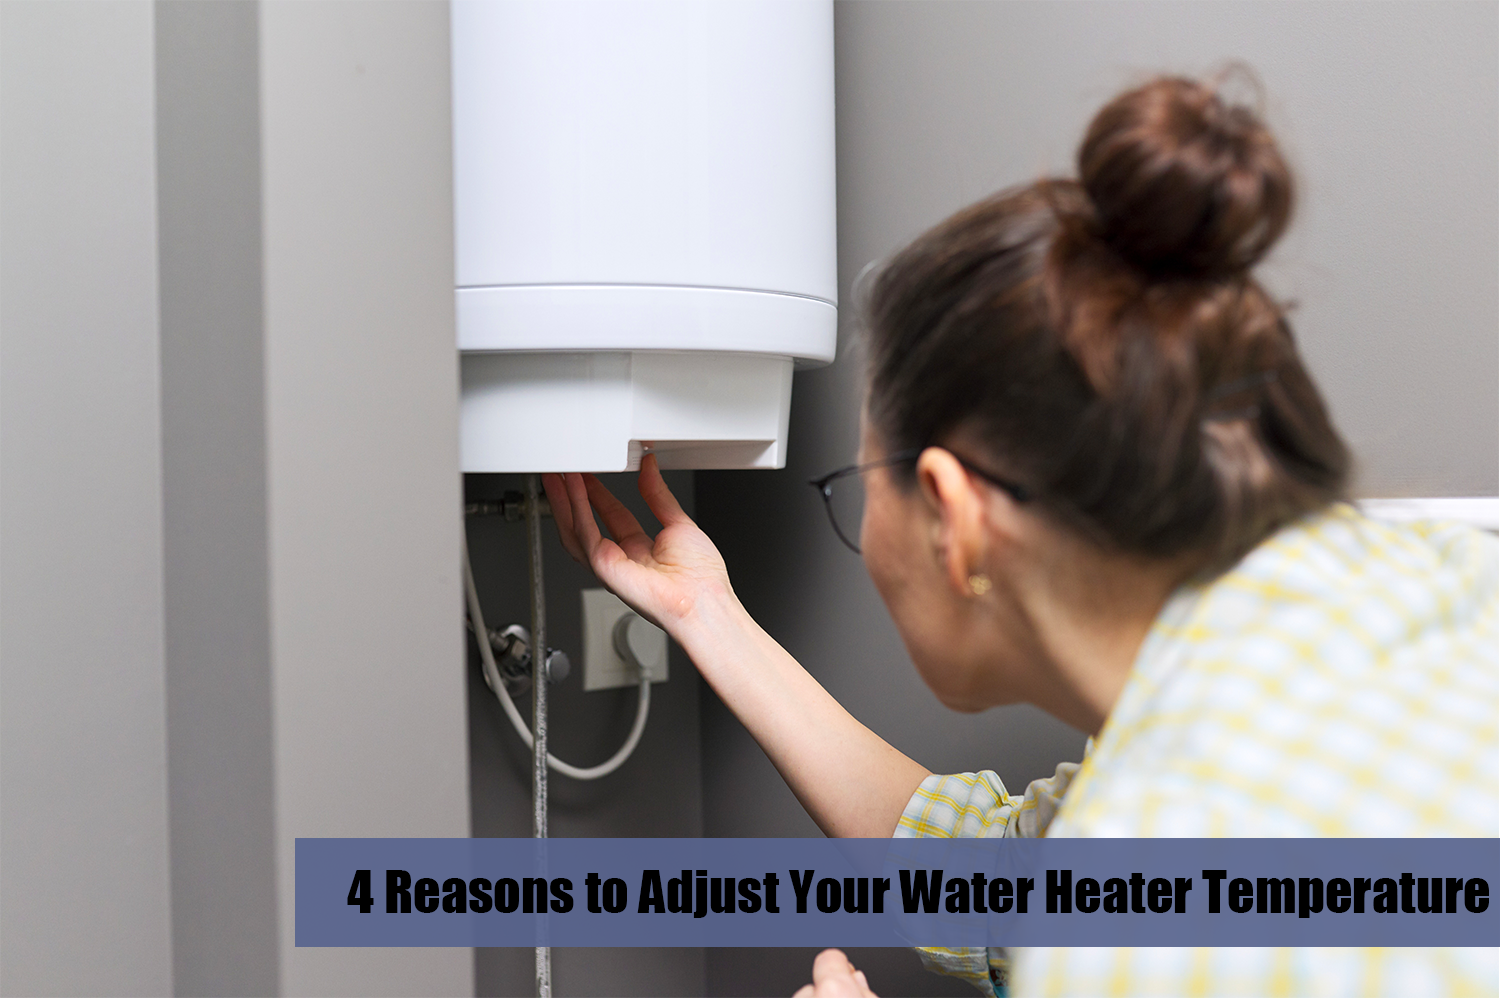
[(602, 668)]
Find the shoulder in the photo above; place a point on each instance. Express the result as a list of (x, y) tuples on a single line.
[(1342, 680), (1398, 579)]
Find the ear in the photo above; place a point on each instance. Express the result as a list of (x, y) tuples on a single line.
[(959, 524)]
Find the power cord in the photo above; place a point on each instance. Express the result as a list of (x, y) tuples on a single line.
[(492, 679)]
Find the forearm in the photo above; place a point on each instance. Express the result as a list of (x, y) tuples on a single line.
[(850, 780)]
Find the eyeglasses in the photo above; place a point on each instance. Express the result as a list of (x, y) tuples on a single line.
[(846, 503)]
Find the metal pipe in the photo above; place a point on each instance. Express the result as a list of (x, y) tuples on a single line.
[(538, 701), (511, 505)]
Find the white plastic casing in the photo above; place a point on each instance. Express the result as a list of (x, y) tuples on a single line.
[(644, 210)]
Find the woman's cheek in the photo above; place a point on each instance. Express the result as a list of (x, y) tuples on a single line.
[(876, 544), (912, 588), (928, 636)]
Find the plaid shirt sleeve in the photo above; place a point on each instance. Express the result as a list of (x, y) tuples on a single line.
[(976, 805)]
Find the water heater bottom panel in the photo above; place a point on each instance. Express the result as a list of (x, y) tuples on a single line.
[(608, 317), (601, 412)]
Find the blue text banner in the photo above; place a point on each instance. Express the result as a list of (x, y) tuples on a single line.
[(896, 892)]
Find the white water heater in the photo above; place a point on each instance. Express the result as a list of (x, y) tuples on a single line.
[(644, 208)]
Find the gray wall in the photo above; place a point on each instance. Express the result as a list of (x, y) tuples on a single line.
[(83, 818), (1388, 113), (361, 453), (656, 793), (219, 719), (231, 611), (1386, 110)]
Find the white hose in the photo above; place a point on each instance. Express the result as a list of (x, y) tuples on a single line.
[(538, 675)]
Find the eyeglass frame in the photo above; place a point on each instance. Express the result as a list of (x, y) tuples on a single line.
[(824, 485)]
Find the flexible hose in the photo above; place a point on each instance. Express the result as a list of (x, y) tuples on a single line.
[(538, 670)]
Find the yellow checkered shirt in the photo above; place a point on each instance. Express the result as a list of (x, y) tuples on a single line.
[(1341, 680)]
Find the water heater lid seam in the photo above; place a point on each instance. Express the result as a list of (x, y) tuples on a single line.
[(635, 284)]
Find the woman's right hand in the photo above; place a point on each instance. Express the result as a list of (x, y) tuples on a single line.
[(850, 781), (663, 578)]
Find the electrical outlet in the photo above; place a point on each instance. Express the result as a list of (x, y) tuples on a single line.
[(602, 668)]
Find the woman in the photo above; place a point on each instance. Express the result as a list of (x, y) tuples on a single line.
[(1100, 480)]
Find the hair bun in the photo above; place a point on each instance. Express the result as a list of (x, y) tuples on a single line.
[(1184, 183)]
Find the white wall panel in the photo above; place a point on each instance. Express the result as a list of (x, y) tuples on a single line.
[(84, 898), (362, 454)]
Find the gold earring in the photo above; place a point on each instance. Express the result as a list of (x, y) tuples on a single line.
[(980, 584)]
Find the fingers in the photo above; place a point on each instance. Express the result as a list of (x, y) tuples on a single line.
[(601, 554), (659, 498), (575, 499), (831, 963), (585, 531), (835, 977), (562, 514), (621, 523)]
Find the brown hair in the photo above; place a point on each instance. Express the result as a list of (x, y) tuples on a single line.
[(1104, 341)]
